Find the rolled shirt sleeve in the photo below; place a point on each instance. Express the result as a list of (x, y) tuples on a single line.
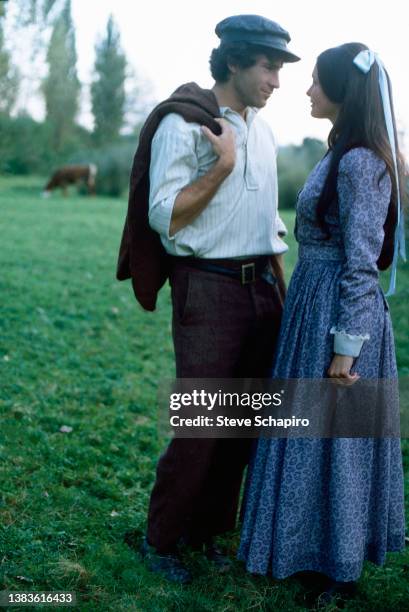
[(280, 226), (280, 231), (173, 166), (364, 190)]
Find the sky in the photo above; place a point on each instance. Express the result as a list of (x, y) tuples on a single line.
[(169, 43)]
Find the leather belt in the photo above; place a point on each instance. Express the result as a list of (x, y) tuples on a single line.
[(244, 270)]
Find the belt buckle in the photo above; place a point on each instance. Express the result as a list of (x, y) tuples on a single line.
[(251, 267)]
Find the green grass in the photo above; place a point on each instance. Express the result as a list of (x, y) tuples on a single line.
[(76, 350)]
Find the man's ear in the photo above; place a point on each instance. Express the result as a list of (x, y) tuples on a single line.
[(232, 67)]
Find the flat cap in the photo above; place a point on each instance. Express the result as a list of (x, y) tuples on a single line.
[(256, 30)]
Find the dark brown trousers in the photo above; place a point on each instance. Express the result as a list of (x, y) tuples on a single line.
[(221, 329)]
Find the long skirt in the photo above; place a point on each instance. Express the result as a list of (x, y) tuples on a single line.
[(323, 505)]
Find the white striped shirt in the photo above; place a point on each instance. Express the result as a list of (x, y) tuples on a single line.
[(242, 219)]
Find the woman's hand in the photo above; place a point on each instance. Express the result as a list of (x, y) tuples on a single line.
[(339, 370), (224, 145)]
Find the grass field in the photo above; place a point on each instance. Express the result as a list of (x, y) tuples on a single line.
[(77, 351)]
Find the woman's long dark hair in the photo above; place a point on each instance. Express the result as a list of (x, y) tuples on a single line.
[(360, 123)]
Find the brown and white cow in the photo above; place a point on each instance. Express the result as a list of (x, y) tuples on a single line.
[(69, 175)]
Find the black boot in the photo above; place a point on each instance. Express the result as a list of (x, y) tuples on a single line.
[(169, 565), (215, 556), (337, 591), (210, 551)]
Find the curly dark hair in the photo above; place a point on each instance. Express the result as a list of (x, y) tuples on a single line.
[(241, 54)]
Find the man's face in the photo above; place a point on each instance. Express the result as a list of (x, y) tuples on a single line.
[(255, 85)]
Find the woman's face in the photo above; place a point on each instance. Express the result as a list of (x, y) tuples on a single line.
[(321, 106)]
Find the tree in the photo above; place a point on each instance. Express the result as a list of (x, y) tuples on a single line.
[(61, 87), (108, 88), (9, 78), (34, 11)]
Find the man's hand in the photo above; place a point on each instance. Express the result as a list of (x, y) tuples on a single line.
[(223, 145), (339, 370)]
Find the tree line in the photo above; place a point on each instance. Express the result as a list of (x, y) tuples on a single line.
[(37, 147), (29, 146)]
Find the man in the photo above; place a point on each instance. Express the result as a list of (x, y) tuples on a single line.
[(213, 202)]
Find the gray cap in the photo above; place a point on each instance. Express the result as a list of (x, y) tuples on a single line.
[(256, 30)]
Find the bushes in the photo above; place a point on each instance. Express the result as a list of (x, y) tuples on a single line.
[(26, 148), (114, 165), (293, 166), (23, 145)]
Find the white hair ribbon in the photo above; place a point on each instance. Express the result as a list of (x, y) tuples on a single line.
[(364, 61)]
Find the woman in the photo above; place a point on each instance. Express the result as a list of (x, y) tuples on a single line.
[(326, 505)]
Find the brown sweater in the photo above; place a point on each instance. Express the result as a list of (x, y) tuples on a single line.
[(142, 256)]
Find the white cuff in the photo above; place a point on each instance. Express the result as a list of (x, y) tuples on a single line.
[(281, 228), (160, 215), (347, 344), (279, 246)]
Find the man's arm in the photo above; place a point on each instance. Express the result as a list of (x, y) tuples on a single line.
[(193, 198)]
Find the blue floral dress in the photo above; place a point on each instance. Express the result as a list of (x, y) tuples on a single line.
[(327, 505)]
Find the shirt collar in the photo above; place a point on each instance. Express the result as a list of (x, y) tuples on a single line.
[(250, 114)]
